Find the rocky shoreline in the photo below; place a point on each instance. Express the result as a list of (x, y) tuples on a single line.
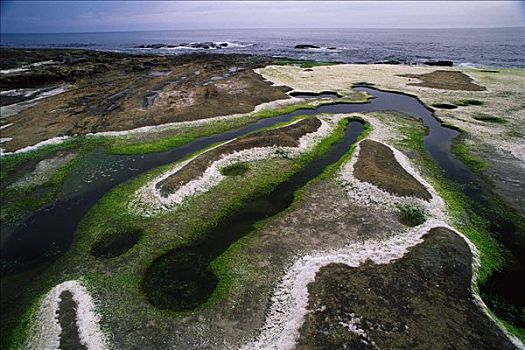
[(115, 92), (300, 280)]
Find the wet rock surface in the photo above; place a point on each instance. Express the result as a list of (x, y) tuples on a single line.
[(323, 219), (377, 165), (115, 92), (13, 96), (287, 136), (421, 301), (67, 315), (446, 80), (507, 172)]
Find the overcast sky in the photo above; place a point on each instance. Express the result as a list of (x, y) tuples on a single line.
[(100, 16)]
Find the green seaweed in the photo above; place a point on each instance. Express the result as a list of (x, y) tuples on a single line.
[(444, 105), (488, 118), (466, 216), (463, 216), (468, 102), (411, 215), (463, 153), (236, 169), (19, 202)]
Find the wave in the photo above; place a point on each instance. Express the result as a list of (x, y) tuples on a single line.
[(199, 45), (469, 65)]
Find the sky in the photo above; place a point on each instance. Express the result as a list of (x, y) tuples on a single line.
[(102, 16)]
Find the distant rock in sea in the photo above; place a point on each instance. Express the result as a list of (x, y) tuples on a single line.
[(306, 46), (439, 63), (198, 45), (389, 62)]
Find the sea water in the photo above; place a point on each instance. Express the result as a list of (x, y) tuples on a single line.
[(500, 47)]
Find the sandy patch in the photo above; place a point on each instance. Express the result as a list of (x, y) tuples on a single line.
[(445, 80), (377, 165)]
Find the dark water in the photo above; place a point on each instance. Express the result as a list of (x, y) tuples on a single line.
[(48, 233), (116, 245), (181, 280), (501, 47), (324, 94)]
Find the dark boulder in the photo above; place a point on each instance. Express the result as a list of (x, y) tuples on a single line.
[(206, 45), (151, 46), (306, 46), (389, 62), (439, 63)]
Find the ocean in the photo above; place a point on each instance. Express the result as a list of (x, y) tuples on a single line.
[(500, 47)]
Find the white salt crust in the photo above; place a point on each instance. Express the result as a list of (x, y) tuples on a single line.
[(148, 201), (53, 141), (26, 67), (44, 331), (13, 109), (2, 127), (148, 129), (339, 78), (290, 298), (368, 194), (167, 126)]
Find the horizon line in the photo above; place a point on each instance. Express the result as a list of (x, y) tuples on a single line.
[(267, 28)]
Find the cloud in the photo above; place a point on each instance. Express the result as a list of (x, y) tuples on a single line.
[(64, 16)]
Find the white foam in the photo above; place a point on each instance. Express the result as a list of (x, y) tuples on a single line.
[(234, 44), (183, 48), (468, 65)]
